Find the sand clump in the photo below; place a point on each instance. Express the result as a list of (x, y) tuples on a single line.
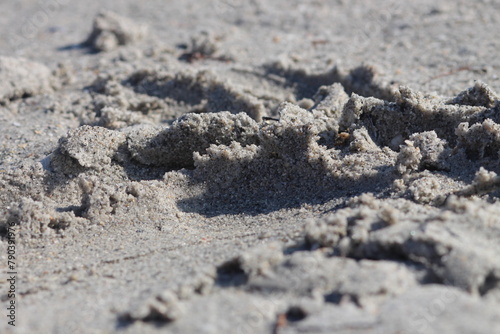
[(174, 146), (110, 31), (22, 78)]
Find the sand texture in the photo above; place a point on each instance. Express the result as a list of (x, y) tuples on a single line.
[(251, 167)]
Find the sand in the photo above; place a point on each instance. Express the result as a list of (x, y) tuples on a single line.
[(250, 167)]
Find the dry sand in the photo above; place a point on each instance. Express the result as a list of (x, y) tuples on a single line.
[(250, 167)]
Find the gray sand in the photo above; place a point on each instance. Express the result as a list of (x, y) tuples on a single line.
[(251, 167)]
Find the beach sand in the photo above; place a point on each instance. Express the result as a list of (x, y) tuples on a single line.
[(250, 167)]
